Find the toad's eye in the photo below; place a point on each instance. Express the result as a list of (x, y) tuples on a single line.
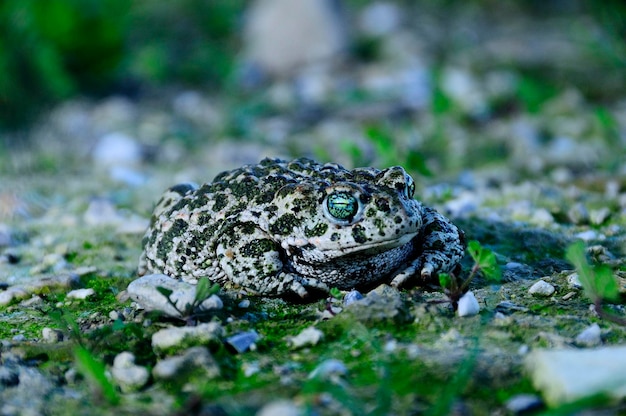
[(410, 187), (342, 206)]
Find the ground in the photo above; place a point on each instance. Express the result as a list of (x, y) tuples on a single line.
[(526, 162)]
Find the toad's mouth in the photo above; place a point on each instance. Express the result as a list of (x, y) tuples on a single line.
[(369, 248)]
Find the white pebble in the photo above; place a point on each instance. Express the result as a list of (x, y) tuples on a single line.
[(567, 375), (308, 336), (542, 288), (523, 403), (573, 280), (177, 338), (117, 149), (468, 305), (128, 375), (51, 336), (590, 235), (213, 302), (590, 336), (329, 369), (280, 407), (81, 294)]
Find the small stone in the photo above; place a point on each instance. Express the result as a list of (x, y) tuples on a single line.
[(193, 360), (81, 294), (280, 408), (541, 288), (599, 216), (522, 403), (242, 341), (19, 338), (102, 211), (244, 304), (590, 336), (51, 336), (31, 302), (578, 214), (12, 294), (308, 336), (114, 315), (352, 296), (380, 18), (329, 369), (128, 376), (213, 302), (468, 305), (573, 280), (590, 235), (175, 339), (567, 375), (117, 149), (381, 304), (251, 368), (569, 295)]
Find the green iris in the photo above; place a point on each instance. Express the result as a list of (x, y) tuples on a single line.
[(342, 205)]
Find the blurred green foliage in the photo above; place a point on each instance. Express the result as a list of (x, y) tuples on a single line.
[(53, 49)]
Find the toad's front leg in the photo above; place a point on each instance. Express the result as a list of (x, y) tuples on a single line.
[(440, 245)]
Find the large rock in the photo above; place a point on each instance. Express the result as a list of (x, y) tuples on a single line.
[(284, 35), (564, 376), (144, 291)]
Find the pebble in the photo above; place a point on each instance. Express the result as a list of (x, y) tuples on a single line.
[(590, 336), (573, 280), (5, 235), (244, 304), (308, 336), (128, 376), (283, 35), (195, 359), (380, 18), (51, 336), (578, 214), (242, 341), (280, 407), (567, 375), (541, 288), (381, 304), (352, 296), (590, 235), (599, 216), (144, 291), (175, 339), (522, 403), (117, 148), (329, 369), (468, 305), (12, 294), (569, 295), (81, 294)]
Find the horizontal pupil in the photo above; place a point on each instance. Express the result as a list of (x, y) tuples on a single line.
[(341, 206)]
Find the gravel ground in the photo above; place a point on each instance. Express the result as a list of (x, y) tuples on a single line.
[(526, 177)]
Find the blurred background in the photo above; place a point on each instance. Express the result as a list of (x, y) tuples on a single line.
[(439, 86)]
